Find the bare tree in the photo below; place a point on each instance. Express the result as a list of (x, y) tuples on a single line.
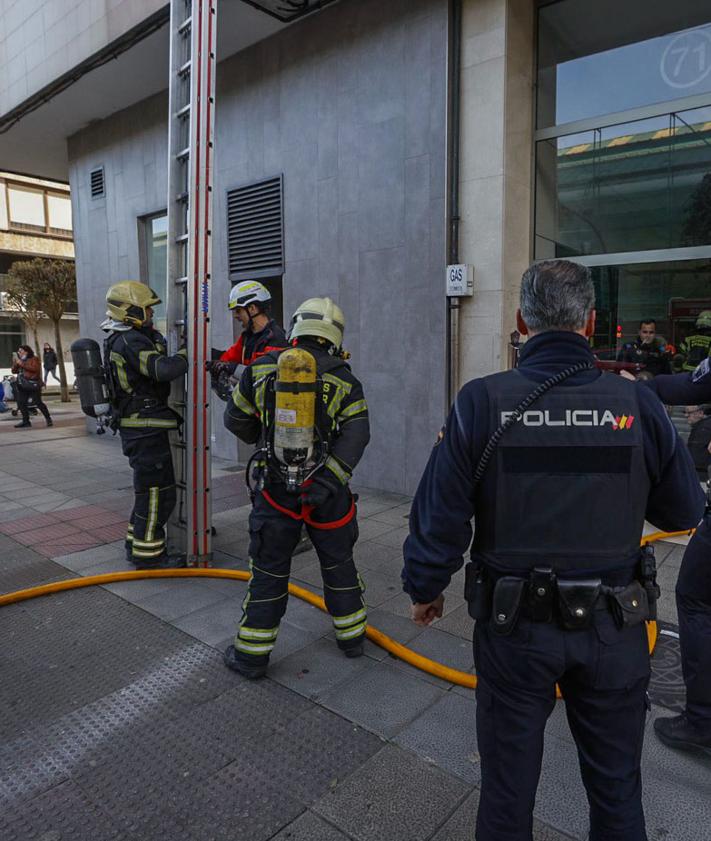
[(23, 302), (53, 284)]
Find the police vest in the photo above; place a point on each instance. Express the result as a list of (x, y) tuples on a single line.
[(568, 486)]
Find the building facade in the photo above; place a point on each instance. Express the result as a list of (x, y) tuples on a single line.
[(35, 221), (382, 141)]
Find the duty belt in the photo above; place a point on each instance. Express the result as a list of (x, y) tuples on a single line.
[(544, 597)]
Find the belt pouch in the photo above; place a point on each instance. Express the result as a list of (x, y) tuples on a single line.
[(477, 591), (630, 606), (576, 602), (506, 604), (541, 590)]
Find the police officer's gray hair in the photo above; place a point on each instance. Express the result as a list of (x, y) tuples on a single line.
[(556, 295)]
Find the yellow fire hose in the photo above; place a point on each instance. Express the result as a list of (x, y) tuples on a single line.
[(395, 648)]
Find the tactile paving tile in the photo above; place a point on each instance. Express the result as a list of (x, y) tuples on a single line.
[(318, 751), (62, 813), (27, 569), (666, 687)]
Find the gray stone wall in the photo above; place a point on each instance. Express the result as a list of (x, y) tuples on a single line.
[(350, 105)]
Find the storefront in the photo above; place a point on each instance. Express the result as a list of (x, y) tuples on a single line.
[(623, 158)]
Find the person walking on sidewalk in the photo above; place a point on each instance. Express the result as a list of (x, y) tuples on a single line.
[(558, 464), (29, 385), (140, 371), (323, 501), (49, 362)]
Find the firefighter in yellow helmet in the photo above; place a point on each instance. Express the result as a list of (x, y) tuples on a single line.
[(697, 347), (139, 373), (306, 409)]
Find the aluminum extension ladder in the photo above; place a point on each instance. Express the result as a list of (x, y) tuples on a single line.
[(193, 38)]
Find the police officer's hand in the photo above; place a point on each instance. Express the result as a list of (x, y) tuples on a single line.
[(318, 492), (425, 614), (627, 376)]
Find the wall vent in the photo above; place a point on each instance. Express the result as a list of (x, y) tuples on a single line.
[(255, 230), (96, 180)]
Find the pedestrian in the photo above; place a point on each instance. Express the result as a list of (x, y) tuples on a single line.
[(691, 729), (29, 385), (49, 362), (558, 464), (321, 499), (647, 350), (140, 372), (3, 405)]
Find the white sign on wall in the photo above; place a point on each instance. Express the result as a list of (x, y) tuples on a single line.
[(460, 280)]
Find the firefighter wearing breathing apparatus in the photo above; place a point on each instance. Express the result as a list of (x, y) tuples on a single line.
[(558, 464), (308, 413), (139, 373)]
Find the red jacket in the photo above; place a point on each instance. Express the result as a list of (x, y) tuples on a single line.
[(250, 346)]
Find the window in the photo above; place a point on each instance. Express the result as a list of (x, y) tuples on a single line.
[(38, 210), (12, 335), (594, 60), (153, 231)]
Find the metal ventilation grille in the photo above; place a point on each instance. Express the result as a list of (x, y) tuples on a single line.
[(288, 10), (96, 179), (255, 230)]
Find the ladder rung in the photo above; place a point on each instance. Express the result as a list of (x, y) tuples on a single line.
[(182, 197), (185, 25), (181, 404), (181, 485), (180, 445), (180, 323), (182, 238), (181, 281), (183, 154), (185, 68), (184, 111)]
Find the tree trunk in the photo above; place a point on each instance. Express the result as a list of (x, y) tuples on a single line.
[(60, 359), (35, 336)]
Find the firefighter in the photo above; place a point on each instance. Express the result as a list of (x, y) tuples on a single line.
[(697, 347), (139, 373), (323, 502), (250, 302), (557, 464)]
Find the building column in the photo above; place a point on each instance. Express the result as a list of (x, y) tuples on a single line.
[(495, 185)]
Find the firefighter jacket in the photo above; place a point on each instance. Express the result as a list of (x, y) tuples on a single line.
[(695, 349), (653, 356), (251, 345), (141, 372), (593, 453), (342, 413)]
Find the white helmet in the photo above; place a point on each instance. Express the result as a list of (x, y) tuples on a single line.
[(249, 292), (319, 317)]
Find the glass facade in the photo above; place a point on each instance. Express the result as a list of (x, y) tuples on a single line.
[(623, 160)]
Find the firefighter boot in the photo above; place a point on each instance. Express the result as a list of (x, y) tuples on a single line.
[(239, 663), (164, 562)]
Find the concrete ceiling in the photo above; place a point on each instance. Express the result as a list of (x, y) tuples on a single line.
[(36, 145)]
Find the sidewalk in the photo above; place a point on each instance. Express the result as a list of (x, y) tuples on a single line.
[(119, 721)]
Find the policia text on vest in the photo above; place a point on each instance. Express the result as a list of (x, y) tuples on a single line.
[(558, 585)]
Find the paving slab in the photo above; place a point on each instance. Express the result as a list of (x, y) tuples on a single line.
[(394, 795), (310, 827), (383, 699)]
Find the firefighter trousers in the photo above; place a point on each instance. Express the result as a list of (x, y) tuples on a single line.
[(273, 537), (155, 496)]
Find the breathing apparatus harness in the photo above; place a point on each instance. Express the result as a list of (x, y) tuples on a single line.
[(543, 596)]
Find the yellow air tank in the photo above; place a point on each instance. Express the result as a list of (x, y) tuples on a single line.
[(295, 412)]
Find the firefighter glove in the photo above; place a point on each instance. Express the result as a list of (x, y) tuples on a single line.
[(319, 492)]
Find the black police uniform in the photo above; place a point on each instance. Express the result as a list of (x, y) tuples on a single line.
[(652, 356), (566, 491), (276, 518), (141, 372), (693, 587)]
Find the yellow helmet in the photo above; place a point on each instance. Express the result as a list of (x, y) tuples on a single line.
[(128, 300), (319, 317)]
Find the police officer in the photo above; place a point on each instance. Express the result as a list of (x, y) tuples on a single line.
[(647, 350), (697, 347), (325, 503), (139, 373), (691, 729), (559, 495)]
